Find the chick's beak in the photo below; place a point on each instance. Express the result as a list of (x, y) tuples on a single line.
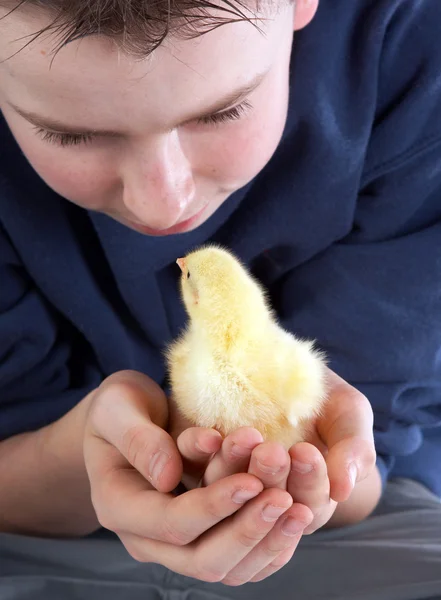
[(182, 264)]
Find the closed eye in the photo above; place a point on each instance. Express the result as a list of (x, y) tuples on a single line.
[(64, 139), (232, 114), (78, 139)]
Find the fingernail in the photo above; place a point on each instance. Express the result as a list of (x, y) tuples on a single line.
[(240, 450), (272, 513), (157, 464), (353, 473), (200, 449), (291, 527), (242, 496), (300, 467)]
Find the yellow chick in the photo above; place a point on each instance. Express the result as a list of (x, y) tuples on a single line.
[(234, 365)]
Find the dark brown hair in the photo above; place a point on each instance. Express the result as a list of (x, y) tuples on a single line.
[(138, 26)]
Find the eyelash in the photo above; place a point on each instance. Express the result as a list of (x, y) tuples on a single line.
[(232, 114), (77, 139), (64, 139)]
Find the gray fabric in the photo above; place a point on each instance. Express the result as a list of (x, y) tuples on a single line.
[(394, 555)]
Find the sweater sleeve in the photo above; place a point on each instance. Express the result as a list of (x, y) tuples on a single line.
[(38, 353), (373, 299)]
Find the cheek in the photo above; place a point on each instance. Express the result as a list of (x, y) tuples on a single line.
[(85, 184), (241, 150), (78, 175)]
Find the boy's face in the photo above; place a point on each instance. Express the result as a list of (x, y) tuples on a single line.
[(157, 144)]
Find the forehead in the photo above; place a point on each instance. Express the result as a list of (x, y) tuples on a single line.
[(93, 71)]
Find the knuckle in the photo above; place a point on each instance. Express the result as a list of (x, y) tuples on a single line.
[(102, 512), (210, 575), (361, 403), (96, 410), (111, 392), (233, 581), (279, 562), (352, 397), (175, 536), (110, 389), (105, 519), (249, 537), (135, 552), (310, 529), (274, 552), (135, 555), (363, 400), (186, 441), (136, 444), (264, 574), (120, 376), (366, 453), (370, 457), (273, 549), (213, 509)]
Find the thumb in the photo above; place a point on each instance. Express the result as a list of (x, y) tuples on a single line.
[(346, 428), (128, 412)]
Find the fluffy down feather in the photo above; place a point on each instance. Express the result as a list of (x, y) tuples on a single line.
[(234, 365)]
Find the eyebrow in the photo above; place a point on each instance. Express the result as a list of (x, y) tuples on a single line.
[(57, 126)]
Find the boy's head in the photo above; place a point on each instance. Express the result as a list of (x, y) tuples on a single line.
[(150, 111)]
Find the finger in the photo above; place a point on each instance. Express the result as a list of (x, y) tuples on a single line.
[(346, 427), (270, 462), (214, 554), (234, 455), (124, 413), (308, 481), (127, 505), (280, 561), (308, 484), (275, 549), (223, 547), (349, 462), (197, 445)]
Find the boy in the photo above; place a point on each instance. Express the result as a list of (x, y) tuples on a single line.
[(166, 126)]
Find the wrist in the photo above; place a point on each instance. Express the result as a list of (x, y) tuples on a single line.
[(60, 444), (61, 449), (45, 478)]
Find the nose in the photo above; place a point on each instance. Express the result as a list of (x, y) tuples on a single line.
[(158, 183)]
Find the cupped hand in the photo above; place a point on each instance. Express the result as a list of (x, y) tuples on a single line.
[(244, 451), (229, 530), (340, 453), (319, 473), (346, 430)]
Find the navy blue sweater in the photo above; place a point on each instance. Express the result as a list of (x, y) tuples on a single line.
[(343, 226)]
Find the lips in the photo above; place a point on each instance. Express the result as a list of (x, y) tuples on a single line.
[(177, 228)]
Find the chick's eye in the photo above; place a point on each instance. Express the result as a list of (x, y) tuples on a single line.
[(188, 274)]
